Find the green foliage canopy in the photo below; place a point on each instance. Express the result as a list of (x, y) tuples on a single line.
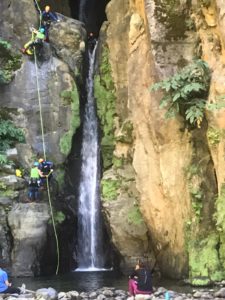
[(186, 92), (9, 135)]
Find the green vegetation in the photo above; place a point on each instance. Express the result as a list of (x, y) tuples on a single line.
[(106, 110), (204, 260), (3, 159), (214, 136), (72, 98), (118, 162), (134, 216), (9, 135), (10, 62), (109, 189), (219, 216), (186, 92), (59, 217)]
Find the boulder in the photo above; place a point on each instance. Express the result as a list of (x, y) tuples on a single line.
[(12, 154), (46, 293), (28, 225)]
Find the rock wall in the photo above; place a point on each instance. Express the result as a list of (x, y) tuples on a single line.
[(59, 73), (178, 170)]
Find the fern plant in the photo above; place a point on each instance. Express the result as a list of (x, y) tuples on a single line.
[(186, 92), (9, 135)]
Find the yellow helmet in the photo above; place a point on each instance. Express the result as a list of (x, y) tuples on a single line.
[(40, 160)]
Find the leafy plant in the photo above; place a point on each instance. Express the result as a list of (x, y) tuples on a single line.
[(3, 159), (9, 135), (10, 61), (59, 217), (186, 92)]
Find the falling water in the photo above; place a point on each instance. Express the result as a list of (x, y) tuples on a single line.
[(82, 14), (89, 223)]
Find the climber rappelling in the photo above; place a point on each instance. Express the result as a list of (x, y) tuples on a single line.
[(37, 39)]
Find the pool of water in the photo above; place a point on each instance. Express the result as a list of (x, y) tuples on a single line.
[(89, 281), (79, 281)]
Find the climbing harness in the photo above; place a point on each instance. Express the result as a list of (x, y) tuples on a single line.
[(44, 153)]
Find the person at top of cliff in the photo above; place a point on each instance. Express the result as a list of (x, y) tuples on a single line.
[(140, 281), (91, 41), (6, 287), (38, 37), (47, 18), (46, 170)]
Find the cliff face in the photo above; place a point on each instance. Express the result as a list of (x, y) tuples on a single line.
[(163, 188), (56, 73), (178, 169)]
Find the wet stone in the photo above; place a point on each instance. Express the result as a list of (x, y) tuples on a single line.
[(93, 295)]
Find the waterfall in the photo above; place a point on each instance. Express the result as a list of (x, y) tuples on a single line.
[(90, 253), (82, 14)]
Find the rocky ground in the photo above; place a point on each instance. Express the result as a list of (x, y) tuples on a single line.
[(113, 293)]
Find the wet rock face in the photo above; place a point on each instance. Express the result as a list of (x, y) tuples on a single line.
[(56, 72), (159, 151), (28, 225), (16, 19)]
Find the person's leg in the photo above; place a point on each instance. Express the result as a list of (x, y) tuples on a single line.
[(12, 290), (36, 197), (132, 285)]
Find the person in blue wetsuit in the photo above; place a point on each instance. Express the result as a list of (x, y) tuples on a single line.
[(46, 169), (47, 18), (5, 285)]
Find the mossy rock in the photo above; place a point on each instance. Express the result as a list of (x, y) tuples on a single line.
[(104, 91), (70, 97), (134, 216), (214, 136), (110, 189), (125, 135), (204, 262), (169, 13), (10, 62)]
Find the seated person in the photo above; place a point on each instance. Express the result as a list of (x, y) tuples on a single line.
[(5, 285), (140, 281)]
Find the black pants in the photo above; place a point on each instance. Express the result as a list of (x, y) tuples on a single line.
[(11, 290)]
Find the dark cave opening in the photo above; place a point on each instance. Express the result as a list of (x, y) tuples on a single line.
[(93, 13)]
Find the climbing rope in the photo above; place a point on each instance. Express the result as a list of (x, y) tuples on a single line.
[(44, 153), (39, 10)]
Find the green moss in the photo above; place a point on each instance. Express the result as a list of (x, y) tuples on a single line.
[(118, 162), (204, 263), (134, 216), (60, 178), (214, 136), (109, 189), (9, 193), (10, 62), (219, 215), (105, 96), (59, 217), (71, 97)]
